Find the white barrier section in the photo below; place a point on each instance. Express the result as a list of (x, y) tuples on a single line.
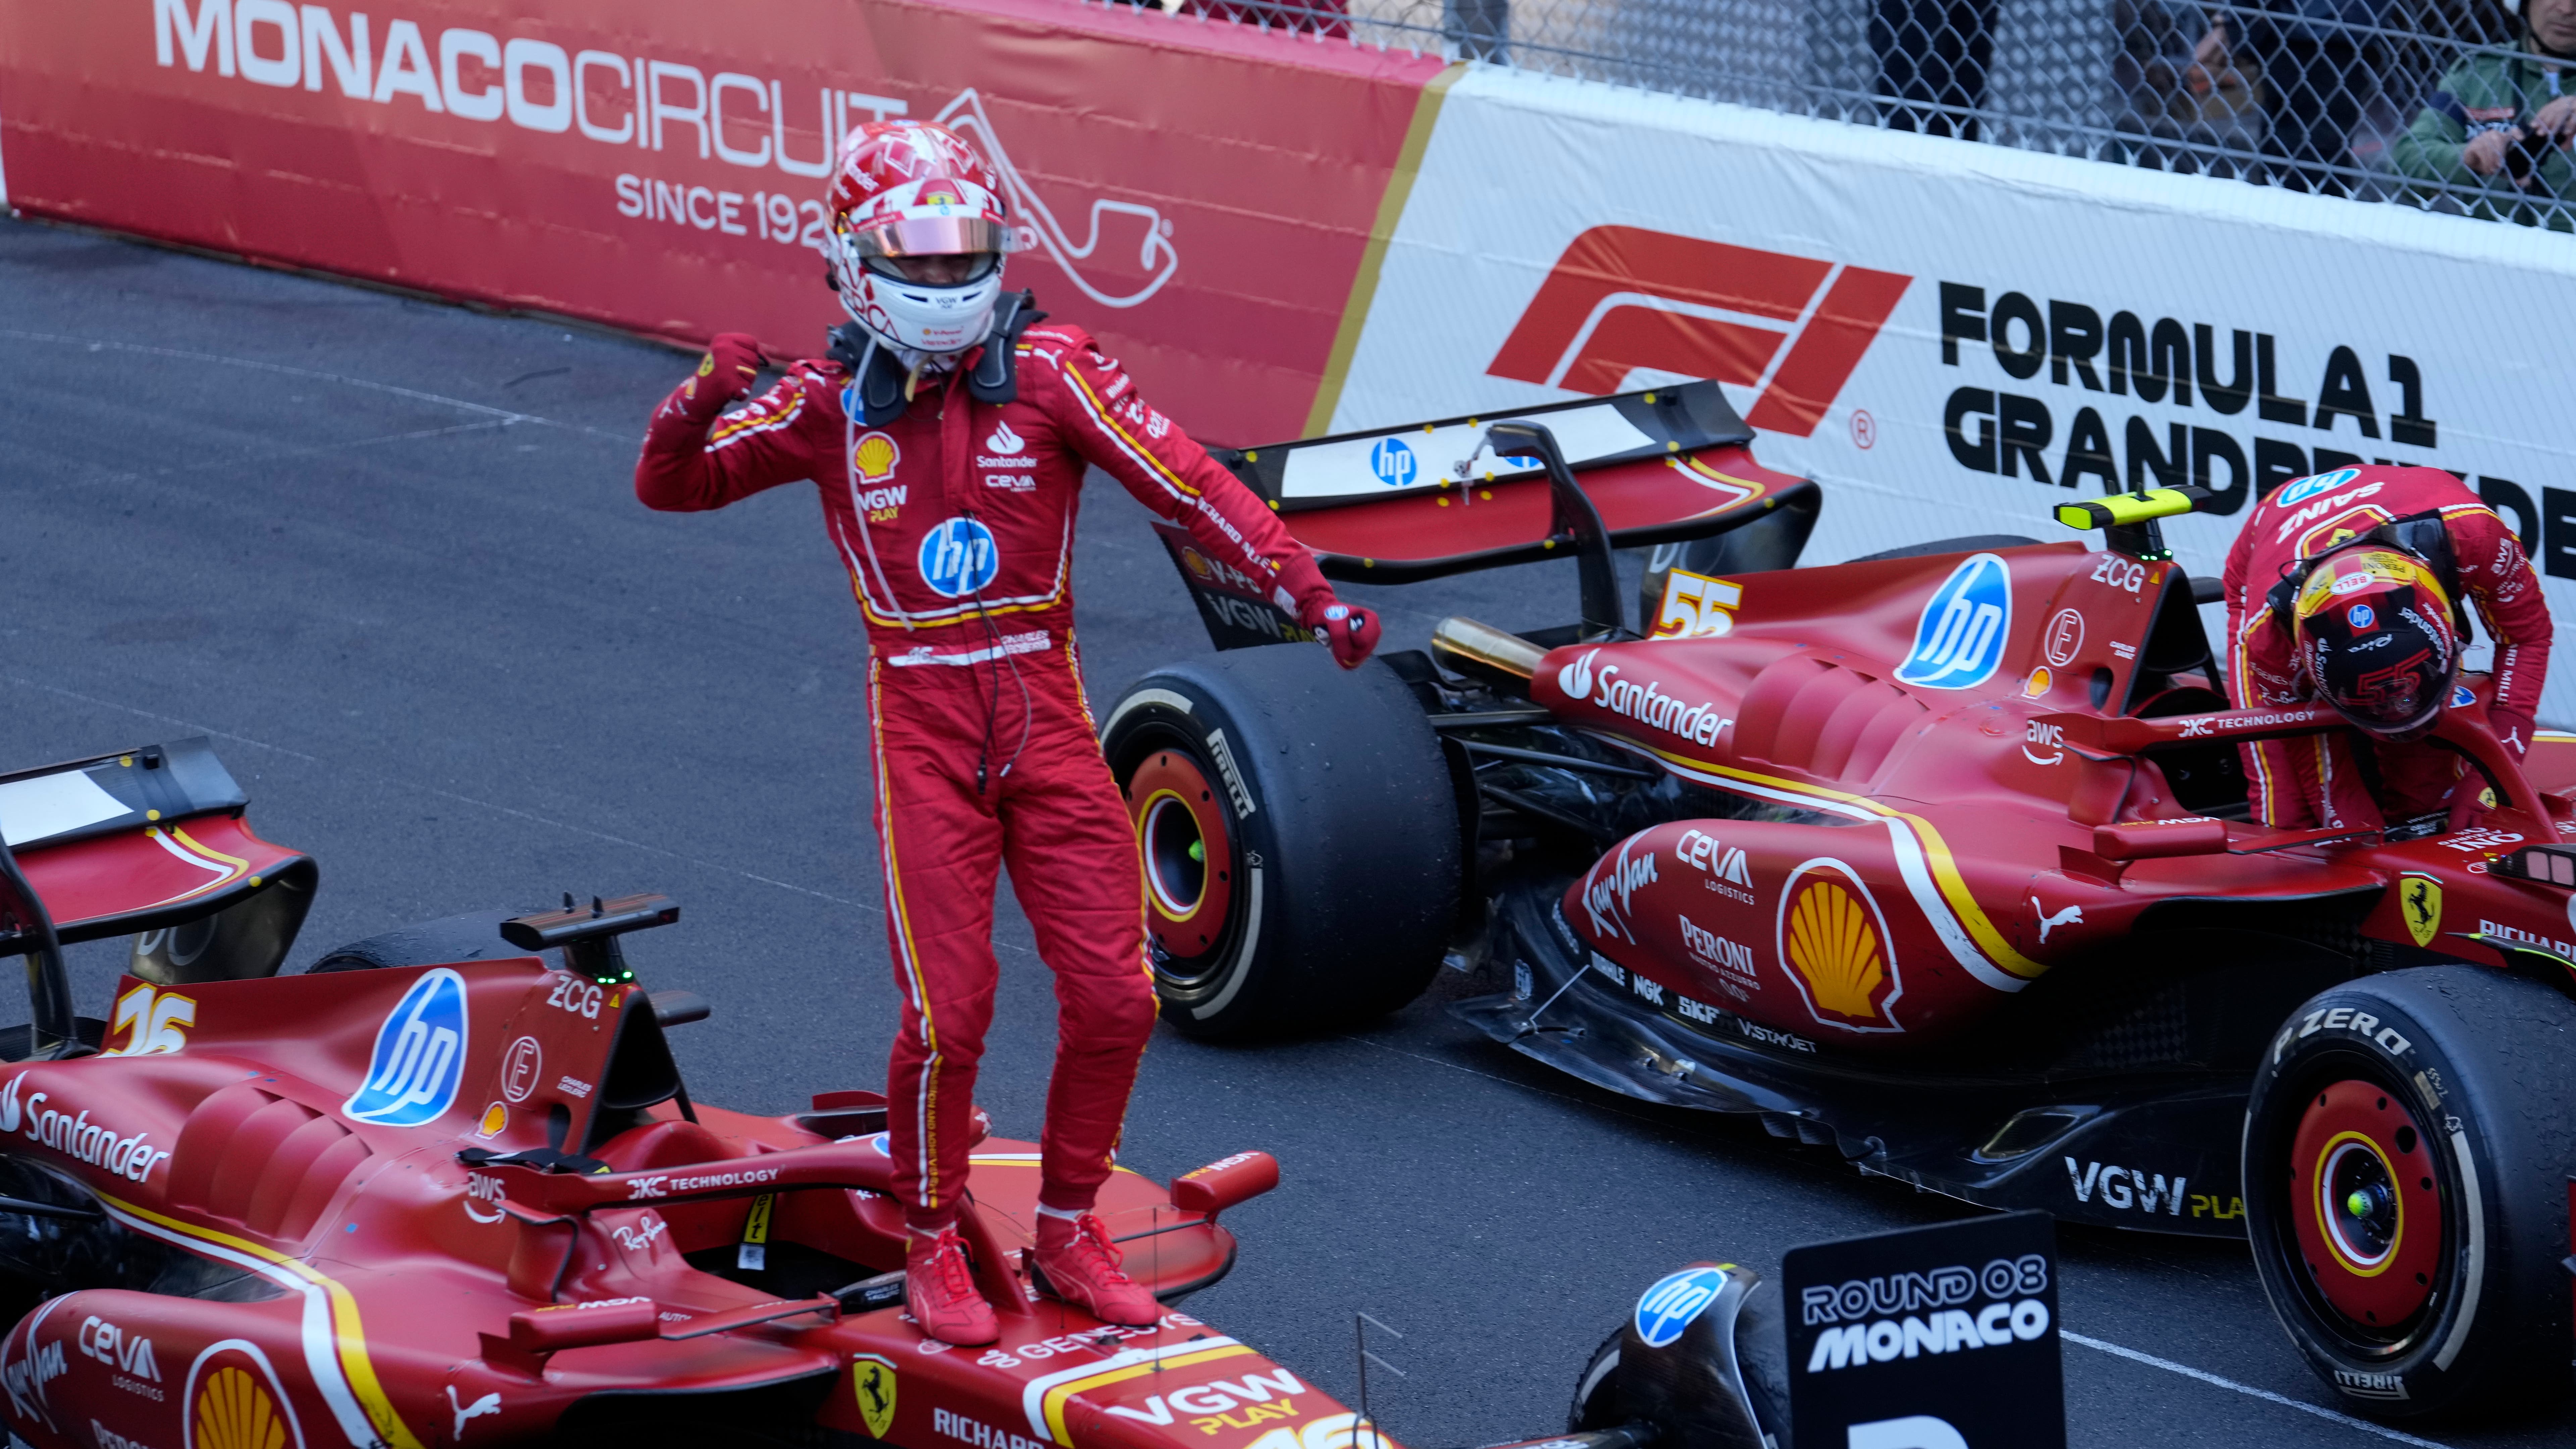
[(1953, 336)]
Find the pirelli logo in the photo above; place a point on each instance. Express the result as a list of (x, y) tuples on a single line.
[(1623, 297)]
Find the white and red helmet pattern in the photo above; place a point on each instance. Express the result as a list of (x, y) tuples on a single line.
[(913, 189)]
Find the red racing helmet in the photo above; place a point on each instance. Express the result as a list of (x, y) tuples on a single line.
[(907, 189), (2374, 631)]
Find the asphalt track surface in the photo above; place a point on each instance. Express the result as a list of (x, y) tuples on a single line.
[(386, 553)]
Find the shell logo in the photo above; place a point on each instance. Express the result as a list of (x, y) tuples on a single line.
[(236, 1402), (234, 1412), (1835, 941), (1196, 564), (874, 457)]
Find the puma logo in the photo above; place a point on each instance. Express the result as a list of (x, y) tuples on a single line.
[(2071, 916), (488, 1404)]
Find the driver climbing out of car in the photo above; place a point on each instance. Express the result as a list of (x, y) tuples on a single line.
[(2353, 587), (948, 433)]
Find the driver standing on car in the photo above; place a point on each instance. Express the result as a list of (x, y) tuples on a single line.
[(2352, 587), (948, 436)]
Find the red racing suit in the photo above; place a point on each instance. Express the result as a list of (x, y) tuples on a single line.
[(2320, 781), (955, 522)]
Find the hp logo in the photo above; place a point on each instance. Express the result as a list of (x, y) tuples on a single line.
[(2305, 489), (1392, 461), (1959, 639), (959, 558), (419, 1058), (1674, 1301)]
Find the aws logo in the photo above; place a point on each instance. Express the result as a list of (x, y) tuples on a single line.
[(1623, 297)]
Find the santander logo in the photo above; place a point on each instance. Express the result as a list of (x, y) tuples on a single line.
[(1645, 703), (1576, 677), (1003, 440), (1623, 298)]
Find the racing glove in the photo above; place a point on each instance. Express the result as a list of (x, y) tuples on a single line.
[(1350, 631), (725, 373)]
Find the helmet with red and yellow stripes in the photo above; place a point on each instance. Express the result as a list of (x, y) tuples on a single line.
[(2375, 635)]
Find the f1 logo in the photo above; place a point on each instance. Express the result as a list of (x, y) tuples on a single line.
[(1623, 297)]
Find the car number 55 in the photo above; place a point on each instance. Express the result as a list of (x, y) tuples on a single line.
[(1697, 607), (159, 1022)]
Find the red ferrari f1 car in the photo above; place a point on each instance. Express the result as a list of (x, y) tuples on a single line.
[(438, 1191), (1938, 857)]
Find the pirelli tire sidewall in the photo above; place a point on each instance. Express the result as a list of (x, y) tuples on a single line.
[(2486, 1062), (1342, 844)]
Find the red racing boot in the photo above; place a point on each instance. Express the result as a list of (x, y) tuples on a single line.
[(940, 1290), (1081, 1265)]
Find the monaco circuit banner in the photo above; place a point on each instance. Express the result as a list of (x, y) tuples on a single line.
[(1281, 235), (1199, 194)]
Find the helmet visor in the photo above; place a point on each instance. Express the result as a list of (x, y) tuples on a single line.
[(931, 236), (2399, 717)]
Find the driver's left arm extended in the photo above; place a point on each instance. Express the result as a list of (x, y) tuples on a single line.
[(2500, 581), (1154, 460)]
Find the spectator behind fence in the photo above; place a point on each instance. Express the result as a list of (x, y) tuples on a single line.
[(2495, 136), (2185, 99), (1934, 53), (2309, 54)]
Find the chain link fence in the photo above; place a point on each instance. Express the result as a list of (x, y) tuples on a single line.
[(2444, 104)]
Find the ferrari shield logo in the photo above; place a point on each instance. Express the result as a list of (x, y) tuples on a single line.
[(874, 1379), (2419, 897)]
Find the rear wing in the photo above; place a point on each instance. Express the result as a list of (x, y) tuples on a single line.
[(1426, 500), (139, 840)]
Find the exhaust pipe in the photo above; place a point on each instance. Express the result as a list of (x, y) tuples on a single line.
[(1483, 644)]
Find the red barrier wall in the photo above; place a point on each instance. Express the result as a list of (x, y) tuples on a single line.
[(1201, 194)]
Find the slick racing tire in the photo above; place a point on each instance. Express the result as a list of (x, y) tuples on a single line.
[(1300, 837), (1973, 543), (1596, 1403), (2407, 1148), (475, 936)]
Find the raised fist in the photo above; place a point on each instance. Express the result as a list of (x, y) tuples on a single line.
[(1350, 631), (725, 373)]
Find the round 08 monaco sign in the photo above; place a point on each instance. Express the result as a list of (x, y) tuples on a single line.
[(1932, 1338)]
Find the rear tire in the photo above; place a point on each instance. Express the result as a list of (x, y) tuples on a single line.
[(475, 936), (1300, 839), (1596, 1393), (2407, 1147)]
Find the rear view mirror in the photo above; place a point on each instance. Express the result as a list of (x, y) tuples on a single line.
[(1223, 1183)]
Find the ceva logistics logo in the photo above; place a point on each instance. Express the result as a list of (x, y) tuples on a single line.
[(419, 1058), (1674, 1301), (959, 558), (1959, 640)]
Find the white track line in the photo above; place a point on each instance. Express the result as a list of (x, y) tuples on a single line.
[(503, 416), (2266, 1395), (402, 784), (103, 344)]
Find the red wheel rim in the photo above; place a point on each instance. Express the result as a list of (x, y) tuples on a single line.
[(1187, 892), (2365, 1204)]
